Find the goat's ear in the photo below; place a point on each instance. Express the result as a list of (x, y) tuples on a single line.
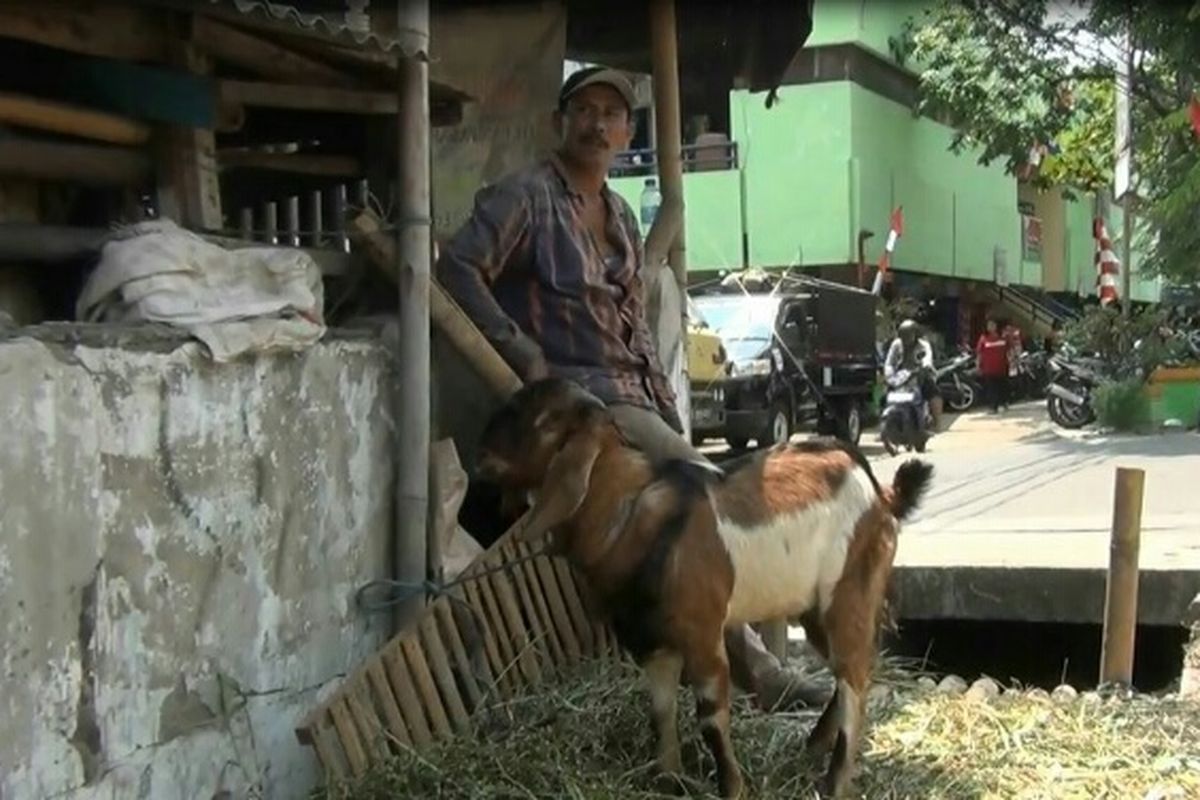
[(565, 484)]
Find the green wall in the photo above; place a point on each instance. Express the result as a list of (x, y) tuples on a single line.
[(795, 165), (870, 25), (712, 216)]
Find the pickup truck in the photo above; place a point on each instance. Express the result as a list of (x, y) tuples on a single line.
[(801, 356)]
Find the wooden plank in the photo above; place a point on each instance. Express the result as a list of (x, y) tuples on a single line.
[(406, 695), (386, 700), (466, 668), (49, 115), (348, 735), (566, 582), (439, 664), (324, 740), (558, 608), (97, 28), (96, 165), (534, 603), (500, 680), (423, 678), (266, 58), (307, 98), (331, 166), (508, 653), (362, 711), (522, 645)]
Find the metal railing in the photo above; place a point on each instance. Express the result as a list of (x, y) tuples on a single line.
[(316, 220), (696, 158)]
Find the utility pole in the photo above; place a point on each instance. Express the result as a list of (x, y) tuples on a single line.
[(1125, 175)]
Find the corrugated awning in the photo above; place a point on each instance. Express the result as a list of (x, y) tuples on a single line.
[(314, 19)]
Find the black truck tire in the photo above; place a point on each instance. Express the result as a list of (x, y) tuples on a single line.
[(779, 425), (850, 420)]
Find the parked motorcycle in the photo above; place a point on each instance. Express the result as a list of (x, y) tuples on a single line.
[(905, 421), (1032, 378), (1069, 392), (955, 381)]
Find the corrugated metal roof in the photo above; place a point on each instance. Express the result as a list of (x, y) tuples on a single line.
[(331, 26)]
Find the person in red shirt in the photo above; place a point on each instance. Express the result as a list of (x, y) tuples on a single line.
[(991, 352)]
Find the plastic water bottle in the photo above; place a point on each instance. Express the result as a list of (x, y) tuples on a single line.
[(651, 200)]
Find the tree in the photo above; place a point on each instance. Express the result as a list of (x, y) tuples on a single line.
[(1010, 77)]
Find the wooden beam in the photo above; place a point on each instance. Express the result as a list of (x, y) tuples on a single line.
[(31, 242), (307, 98), (268, 59), (332, 166), (189, 187), (97, 165), (92, 27), (49, 115)]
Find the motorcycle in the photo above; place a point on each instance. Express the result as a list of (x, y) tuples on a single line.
[(1069, 393), (954, 381), (905, 421)]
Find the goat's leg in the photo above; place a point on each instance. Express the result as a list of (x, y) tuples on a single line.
[(708, 674), (662, 676), (824, 734), (851, 625)]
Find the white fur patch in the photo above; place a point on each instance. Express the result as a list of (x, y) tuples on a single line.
[(791, 563)]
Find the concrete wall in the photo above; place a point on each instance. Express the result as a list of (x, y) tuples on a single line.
[(179, 548)]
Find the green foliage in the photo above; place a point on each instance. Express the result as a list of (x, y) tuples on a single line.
[(1103, 331), (1007, 77), (1122, 405)]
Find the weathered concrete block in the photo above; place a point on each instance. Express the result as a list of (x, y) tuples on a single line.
[(182, 543)]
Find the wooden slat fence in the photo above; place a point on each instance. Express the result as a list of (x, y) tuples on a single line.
[(523, 625)]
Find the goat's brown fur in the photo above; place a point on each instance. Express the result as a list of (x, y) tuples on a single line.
[(646, 538)]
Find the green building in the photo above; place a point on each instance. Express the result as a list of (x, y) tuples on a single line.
[(840, 148)]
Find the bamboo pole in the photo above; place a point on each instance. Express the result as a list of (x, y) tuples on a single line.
[(413, 254), (445, 313), (664, 240), (58, 117), (1121, 595)]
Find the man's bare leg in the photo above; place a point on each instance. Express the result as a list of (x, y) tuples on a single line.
[(753, 668)]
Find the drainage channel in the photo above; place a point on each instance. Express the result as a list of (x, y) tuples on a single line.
[(1035, 654)]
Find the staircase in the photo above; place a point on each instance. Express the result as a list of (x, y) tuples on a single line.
[(1035, 310)]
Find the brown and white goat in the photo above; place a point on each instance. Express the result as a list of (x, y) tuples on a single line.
[(675, 551)]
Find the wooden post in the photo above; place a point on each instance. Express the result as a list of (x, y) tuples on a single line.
[(664, 55), (1120, 602), (189, 188), (413, 233)]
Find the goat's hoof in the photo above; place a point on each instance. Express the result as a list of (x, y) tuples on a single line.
[(670, 783), (831, 788), (731, 788)]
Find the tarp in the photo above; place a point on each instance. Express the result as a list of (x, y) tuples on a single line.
[(509, 57), (255, 299)]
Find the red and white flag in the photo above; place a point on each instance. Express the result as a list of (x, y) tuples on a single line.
[(1107, 265), (885, 260), (1194, 112)]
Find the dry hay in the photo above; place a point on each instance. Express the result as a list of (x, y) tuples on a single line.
[(589, 736)]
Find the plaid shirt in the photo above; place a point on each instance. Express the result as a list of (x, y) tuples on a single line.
[(527, 271)]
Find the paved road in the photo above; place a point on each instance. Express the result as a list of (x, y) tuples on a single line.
[(1017, 521)]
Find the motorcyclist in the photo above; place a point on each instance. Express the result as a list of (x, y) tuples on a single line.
[(911, 351)]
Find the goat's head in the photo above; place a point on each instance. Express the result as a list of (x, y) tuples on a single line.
[(546, 438)]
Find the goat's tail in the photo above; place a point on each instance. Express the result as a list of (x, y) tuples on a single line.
[(908, 487)]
